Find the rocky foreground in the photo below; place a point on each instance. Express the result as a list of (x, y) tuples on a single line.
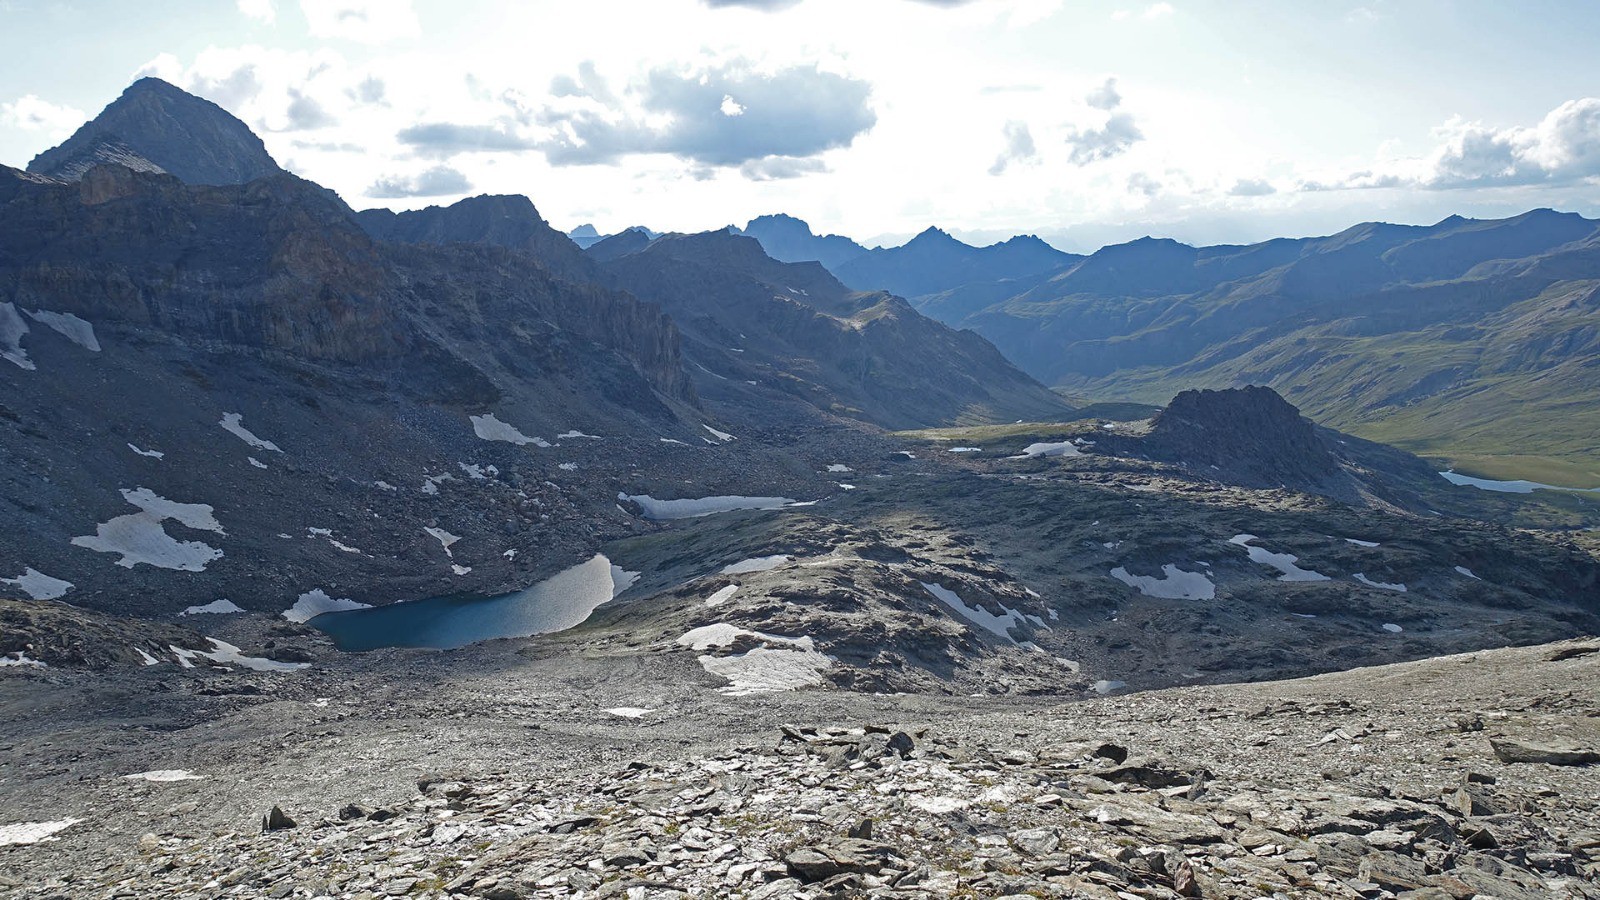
[(1465, 776)]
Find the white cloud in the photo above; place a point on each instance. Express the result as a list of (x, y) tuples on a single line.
[(1114, 138), (731, 107), (1252, 187), (1019, 148), (364, 21), (30, 113), (439, 181), (1562, 148), (264, 11)]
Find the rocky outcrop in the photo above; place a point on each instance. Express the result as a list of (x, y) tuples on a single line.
[(157, 127), (502, 220), (1251, 435)]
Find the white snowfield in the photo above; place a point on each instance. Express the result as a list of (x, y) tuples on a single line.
[(761, 671), (1398, 588), (38, 585), (12, 328), (722, 596), (233, 423), (445, 538), (1063, 448), (316, 602), (1283, 562), (68, 326), (141, 538), (629, 712), (839, 467), (225, 654), (999, 626), (33, 832), (1174, 583), (719, 435), (758, 564), (165, 775), (151, 454), (215, 607), (492, 429), (701, 506), (20, 660), (723, 634)]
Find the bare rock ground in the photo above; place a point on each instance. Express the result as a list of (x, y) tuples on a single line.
[(519, 769)]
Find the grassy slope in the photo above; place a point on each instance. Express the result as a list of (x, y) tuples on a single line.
[(1483, 399)]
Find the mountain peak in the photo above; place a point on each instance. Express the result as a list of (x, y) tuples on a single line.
[(157, 126)]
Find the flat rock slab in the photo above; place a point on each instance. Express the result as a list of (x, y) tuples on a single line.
[(1551, 752)]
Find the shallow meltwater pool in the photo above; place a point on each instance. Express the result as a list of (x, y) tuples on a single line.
[(558, 603)]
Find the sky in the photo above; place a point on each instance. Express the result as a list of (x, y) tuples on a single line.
[(1085, 123)]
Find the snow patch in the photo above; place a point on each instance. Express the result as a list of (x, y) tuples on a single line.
[(965, 450), (629, 712), (12, 328), (1283, 562), (722, 634), (316, 602), (758, 564), (215, 607), (233, 423), (568, 467), (1174, 584), (152, 454), (256, 462), (461, 570), (998, 625), (490, 428), (571, 435), (1106, 686), (1463, 570), (444, 538), (1361, 543), (621, 579), (693, 508), (1504, 487), (38, 585), (722, 596), (33, 832), (140, 537), (761, 670), (1042, 450), (20, 660), (838, 467), (1392, 628), (165, 775), (719, 435), (148, 659), (1379, 584), (68, 326), (672, 441)]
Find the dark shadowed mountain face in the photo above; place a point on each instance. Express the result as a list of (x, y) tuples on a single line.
[(156, 127), (1470, 339), (509, 221), (790, 240), (795, 331)]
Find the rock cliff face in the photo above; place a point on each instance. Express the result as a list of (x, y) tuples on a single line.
[(157, 127), (509, 221)]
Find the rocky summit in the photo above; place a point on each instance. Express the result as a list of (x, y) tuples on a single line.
[(434, 553)]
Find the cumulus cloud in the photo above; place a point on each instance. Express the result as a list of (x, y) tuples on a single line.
[(1105, 96), (445, 139), (1019, 148), (1252, 187), (779, 168), (795, 112), (1562, 148), (1140, 183), (1110, 140), (30, 113), (263, 11), (439, 181), (273, 90), (364, 21)]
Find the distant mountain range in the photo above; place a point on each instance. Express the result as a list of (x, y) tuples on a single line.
[(1477, 341)]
